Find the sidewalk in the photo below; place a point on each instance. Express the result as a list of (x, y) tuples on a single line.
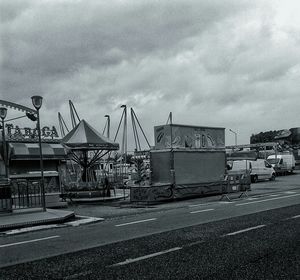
[(33, 217)]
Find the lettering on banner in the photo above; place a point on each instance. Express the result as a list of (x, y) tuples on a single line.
[(27, 133)]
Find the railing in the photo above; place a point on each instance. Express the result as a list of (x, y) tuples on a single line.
[(236, 183), (26, 194), (5, 199)]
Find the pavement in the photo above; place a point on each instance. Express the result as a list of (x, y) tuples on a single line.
[(21, 218), (33, 217), (119, 205)]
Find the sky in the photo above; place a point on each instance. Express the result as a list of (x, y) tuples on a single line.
[(230, 63)]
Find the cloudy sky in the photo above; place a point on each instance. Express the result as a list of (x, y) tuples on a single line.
[(229, 63)]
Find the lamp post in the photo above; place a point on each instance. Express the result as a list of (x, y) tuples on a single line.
[(108, 124), (235, 135), (37, 103), (124, 142), (124, 145), (3, 113)]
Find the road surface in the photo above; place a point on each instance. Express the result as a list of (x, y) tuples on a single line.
[(252, 238)]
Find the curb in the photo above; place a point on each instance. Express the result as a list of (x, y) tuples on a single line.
[(45, 221)]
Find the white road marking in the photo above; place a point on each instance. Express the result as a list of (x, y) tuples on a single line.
[(84, 220), (225, 202), (135, 222), (269, 199), (194, 243), (128, 261), (295, 217), (195, 205), (289, 192), (29, 241), (200, 211), (274, 194), (201, 204), (29, 229), (290, 218), (76, 275), (245, 230)]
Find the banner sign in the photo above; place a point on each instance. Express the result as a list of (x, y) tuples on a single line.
[(190, 137), (15, 133)]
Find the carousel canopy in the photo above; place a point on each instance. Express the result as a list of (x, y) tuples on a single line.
[(85, 137)]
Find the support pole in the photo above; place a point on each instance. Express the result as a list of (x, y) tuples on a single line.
[(5, 157), (41, 163)]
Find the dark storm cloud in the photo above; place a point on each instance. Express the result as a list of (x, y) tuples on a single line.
[(52, 39), (9, 10), (189, 57)]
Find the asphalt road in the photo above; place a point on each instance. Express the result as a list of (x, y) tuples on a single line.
[(42, 244), (253, 238), (263, 245)]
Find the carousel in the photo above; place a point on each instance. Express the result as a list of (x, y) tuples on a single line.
[(86, 148)]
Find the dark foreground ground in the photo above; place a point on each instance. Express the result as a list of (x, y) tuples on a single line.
[(271, 250)]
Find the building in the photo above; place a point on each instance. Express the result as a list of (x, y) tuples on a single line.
[(287, 139), (23, 155)]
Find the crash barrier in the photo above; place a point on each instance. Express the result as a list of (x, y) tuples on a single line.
[(5, 197), (26, 194), (236, 183), (78, 196), (73, 191)]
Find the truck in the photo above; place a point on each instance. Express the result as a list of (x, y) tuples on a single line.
[(186, 161), (259, 169), (282, 163)]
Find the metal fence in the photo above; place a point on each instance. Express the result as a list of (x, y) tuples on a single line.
[(26, 194), (5, 199)]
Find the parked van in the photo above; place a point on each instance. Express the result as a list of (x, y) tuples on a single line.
[(282, 163), (259, 169)]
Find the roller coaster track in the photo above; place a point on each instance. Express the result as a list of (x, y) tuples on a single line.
[(17, 107)]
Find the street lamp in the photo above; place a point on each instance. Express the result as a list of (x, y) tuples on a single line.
[(108, 124), (124, 145), (3, 113), (235, 135), (125, 129), (37, 103)]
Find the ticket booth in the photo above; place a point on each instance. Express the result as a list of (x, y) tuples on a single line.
[(24, 163)]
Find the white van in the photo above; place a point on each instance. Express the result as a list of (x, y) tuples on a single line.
[(260, 169), (282, 163)]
